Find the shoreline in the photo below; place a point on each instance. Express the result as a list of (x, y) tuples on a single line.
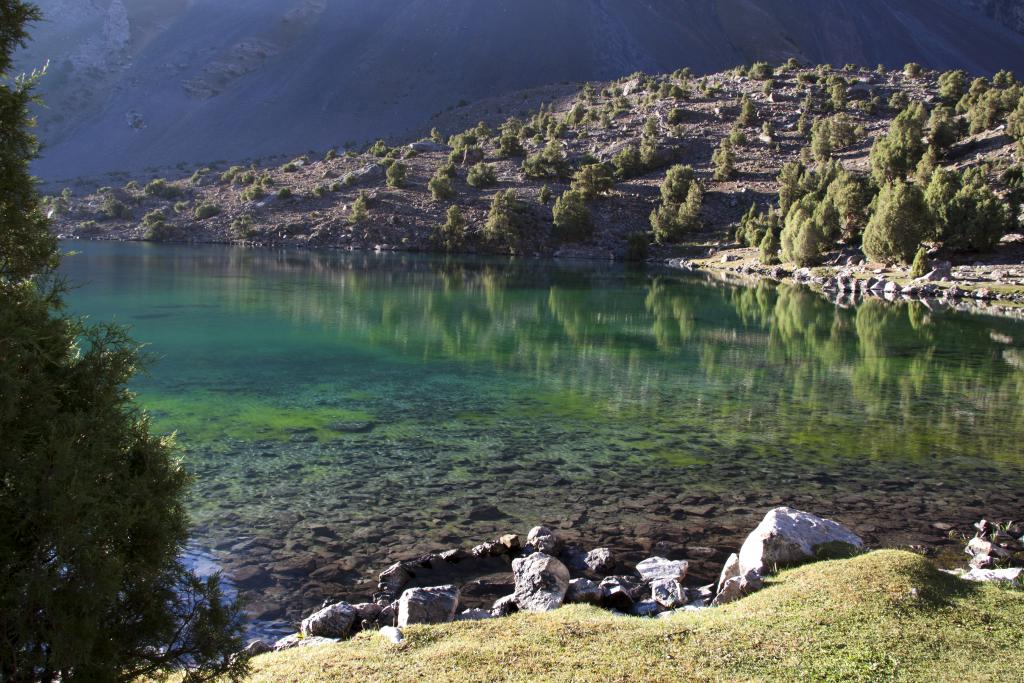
[(841, 285)]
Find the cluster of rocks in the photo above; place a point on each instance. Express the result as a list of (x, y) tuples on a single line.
[(845, 285), (548, 574), (997, 553)]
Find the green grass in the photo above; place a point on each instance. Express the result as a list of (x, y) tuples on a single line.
[(887, 615)]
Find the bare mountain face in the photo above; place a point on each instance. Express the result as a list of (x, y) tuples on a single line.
[(1008, 12), (140, 83)]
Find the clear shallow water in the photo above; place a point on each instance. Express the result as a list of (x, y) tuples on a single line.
[(346, 410)]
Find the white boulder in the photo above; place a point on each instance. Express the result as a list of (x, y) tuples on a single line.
[(786, 537)]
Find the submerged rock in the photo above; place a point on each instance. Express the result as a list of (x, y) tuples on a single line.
[(541, 582), (436, 605), (786, 537)]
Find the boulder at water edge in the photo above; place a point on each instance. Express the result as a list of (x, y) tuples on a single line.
[(786, 537), (541, 582), (543, 540), (436, 605), (333, 621)]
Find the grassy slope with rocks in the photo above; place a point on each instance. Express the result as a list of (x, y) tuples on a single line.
[(886, 615), (308, 201)]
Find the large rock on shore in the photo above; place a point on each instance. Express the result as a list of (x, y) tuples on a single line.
[(333, 621), (436, 605), (786, 537), (541, 582)]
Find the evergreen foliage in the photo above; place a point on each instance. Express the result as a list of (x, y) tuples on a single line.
[(900, 222), (92, 587), (451, 234), (396, 174), (548, 163), (895, 155), (671, 221), (724, 159), (482, 175), (572, 219), (592, 180)]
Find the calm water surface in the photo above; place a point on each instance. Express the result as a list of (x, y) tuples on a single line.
[(342, 411)]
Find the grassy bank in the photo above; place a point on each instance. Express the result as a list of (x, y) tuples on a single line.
[(885, 615)]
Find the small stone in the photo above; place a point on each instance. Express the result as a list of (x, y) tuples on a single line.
[(1013, 575), (983, 562), (979, 546), (453, 556), (296, 640), (511, 542), (393, 634), (543, 540), (730, 570), (256, 648), (660, 568), (436, 605), (504, 606), (645, 608), (600, 560), (583, 591), (394, 578), (618, 592), (668, 593), (475, 614)]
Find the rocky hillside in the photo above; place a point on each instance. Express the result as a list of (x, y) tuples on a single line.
[(142, 83), (617, 139)]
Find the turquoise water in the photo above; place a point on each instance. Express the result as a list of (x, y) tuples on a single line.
[(343, 410)]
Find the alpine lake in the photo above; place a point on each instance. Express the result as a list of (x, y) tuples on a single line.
[(342, 411)]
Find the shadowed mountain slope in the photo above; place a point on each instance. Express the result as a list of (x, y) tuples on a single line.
[(138, 83)]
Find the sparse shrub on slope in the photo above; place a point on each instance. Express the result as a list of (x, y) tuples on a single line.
[(451, 234), (505, 219), (572, 219), (724, 159), (482, 175), (671, 221), (592, 180), (548, 163), (396, 174), (162, 189)]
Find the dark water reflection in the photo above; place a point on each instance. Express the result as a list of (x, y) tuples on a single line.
[(344, 410)]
